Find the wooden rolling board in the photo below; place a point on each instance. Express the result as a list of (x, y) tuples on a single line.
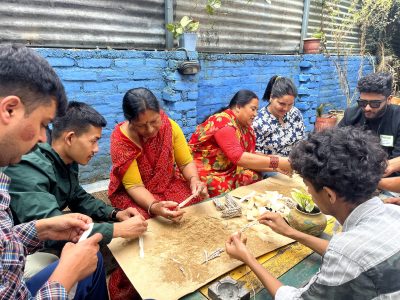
[(171, 267)]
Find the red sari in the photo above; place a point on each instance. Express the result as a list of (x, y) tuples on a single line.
[(159, 175), (221, 174), (156, 165)]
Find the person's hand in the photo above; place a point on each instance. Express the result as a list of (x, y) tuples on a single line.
[(167, 209), (276, 223), (77, 261), (392, 166), (198, 188), (130, 228), (68, 227), (392, 200), (284, 166), (235, 246), (389, 170), (285, 172), (127, 214)]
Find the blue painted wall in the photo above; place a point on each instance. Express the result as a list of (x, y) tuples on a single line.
[(101, 78), (223, 75)]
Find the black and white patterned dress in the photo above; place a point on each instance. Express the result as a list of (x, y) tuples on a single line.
[(274, 137)]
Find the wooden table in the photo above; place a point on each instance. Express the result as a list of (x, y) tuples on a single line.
[(293, 264)]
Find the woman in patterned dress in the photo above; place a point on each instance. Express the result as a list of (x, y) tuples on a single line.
[(279, 125), (223, 147), (152, 169)]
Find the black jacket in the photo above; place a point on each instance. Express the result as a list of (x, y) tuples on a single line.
[(387, 125)]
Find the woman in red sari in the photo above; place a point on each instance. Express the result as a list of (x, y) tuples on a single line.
[(152, 168), (223, 147)]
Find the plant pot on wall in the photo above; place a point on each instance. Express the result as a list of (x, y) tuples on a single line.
[(313, 223), (312, 45), (324, 122), (188, 40)]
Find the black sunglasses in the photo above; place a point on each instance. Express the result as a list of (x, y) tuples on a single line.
[(371, 103)]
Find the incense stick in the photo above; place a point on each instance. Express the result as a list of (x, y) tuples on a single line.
[(186, 201), (141, 247)]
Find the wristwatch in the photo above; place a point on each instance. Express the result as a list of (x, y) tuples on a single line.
[(113, 214)]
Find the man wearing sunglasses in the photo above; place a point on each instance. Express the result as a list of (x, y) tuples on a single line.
[(374, 111)]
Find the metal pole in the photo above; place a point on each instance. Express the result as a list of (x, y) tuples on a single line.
[(169, 18), (304, 24)]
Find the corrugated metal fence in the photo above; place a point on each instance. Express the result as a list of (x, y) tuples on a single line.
[(349, 41), (240, 26), (84, 24), (248, 26)]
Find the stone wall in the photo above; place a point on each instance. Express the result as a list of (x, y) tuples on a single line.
[(101, 78)]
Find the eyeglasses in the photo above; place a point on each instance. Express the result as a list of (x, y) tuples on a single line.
[(371, 103)]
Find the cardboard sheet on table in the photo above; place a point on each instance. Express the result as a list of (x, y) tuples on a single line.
[(147, 275), (281, 183)]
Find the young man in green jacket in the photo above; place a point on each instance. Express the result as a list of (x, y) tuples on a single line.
[(45, 182)]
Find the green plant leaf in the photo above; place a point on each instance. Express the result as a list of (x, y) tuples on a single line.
[(318, 34), (209, 9), (303, 199), (309, 207), (185, 21), (170, 27), (179, 30), (215, 3), (212, 5), (194, 26)]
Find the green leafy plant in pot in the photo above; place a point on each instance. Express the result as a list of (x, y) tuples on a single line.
[(306, 216), (324, 121), (312, 45), (185, 31)]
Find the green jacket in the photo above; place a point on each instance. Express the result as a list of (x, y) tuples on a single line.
[(42, 185)]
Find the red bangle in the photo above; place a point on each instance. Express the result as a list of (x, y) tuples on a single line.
[(273, 162)]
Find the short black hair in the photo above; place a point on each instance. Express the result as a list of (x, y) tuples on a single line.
[(348, 160), (25, 74), (78, 117), (379, 83), (278, 87), (136, 101)]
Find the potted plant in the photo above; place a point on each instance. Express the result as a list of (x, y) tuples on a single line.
[(306, 216), (324, 121), (313, 45), (185, 31)]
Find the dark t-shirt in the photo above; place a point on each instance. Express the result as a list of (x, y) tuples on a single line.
[(386, 127)]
